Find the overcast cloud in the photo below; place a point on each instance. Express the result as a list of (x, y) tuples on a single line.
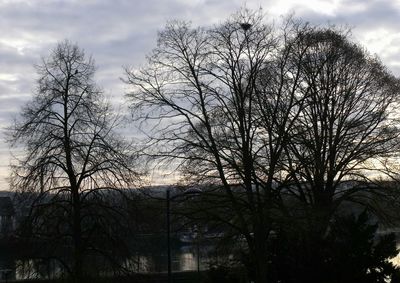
[(120, 32)]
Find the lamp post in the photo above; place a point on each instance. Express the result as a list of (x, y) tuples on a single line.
[(198, 250), (169, 237), (190, 191)]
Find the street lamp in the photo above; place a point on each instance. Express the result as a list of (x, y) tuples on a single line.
[(190, 191)]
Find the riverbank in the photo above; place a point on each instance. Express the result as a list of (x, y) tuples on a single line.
[(207, 276), (140, 277)]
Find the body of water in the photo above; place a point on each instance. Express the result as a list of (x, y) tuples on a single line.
[(184, 258)]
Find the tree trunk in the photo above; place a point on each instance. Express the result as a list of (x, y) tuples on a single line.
[(258, 264), (77, 238), (261, 271)]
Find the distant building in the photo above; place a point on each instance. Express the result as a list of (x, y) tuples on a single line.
[(7, 216)]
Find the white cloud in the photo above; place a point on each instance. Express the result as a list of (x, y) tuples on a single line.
[(380, 41), (324, 7), (8, 77)]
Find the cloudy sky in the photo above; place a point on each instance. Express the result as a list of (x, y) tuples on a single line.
[(120, 32)]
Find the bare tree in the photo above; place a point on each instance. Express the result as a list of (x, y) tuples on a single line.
[(267, 114), (224, 99), (73, 158), (347, 121)]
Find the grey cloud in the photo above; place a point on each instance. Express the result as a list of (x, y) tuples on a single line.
[(371, 14), (121, 32)]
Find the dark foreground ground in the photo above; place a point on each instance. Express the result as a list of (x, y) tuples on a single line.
[(210, 276)]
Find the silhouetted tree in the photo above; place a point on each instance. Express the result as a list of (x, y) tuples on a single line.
[(346, 122), (73, 161), (279, 119), (217, 116)]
